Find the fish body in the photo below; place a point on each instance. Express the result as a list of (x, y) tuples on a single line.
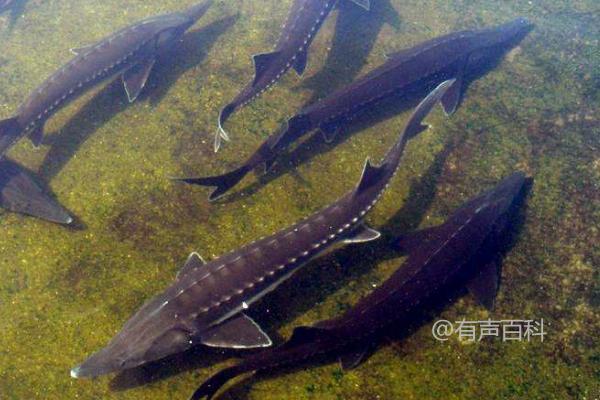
[(445, 57), (130, 52), (205, 304), (454, 253), (303, 22)]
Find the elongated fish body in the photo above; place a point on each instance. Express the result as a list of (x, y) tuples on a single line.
[(302, 24), (443, 57), (205, 304), (454, 253), (131, 52)]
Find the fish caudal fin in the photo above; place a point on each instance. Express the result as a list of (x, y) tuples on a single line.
[(212, 385), (222, 183), (10, 130)]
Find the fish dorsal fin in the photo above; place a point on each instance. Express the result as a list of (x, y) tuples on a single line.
[(306, 334), (37, 135), (262, 63), (135, 78), (411, 241), (370, 176), (451, 99), (363, 234), (239, 332), (484, 286), (83, 49), (193, 262), (366, 4), (300, 63)]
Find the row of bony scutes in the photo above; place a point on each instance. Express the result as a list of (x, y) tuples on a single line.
[(206, 303)]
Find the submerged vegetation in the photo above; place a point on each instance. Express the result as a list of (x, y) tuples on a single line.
[(65, 292)]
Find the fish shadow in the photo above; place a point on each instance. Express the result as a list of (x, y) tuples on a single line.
[(275, 310), (384, 110), (110, 101), (408, 324), (355, 34)]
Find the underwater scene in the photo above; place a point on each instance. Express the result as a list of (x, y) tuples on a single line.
[(299, 199)]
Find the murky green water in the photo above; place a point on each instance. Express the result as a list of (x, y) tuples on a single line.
[(65, 292)]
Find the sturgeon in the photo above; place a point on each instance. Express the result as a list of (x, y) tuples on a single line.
[(460, 251), (130, 52), (449, 56), (19, 192), (205, 304), (303, 22)]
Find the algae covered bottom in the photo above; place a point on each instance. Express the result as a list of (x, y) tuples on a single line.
[(65, 292)]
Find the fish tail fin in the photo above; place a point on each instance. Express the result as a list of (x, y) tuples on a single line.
[(212, 385), (221, 183), (10, 130)]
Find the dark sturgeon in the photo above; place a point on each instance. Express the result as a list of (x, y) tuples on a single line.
[(19, 192), (456, 253), (131, 52), (303, 22), (205, 303), (450, 56)]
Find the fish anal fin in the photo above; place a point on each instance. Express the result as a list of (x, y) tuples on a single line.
[(412, 241), (262, 63), (371, 175), (37, 135), (366, 4), (363, 234), (134, 79), (193, 262), (239, 332), (484, 286), (300, 63)]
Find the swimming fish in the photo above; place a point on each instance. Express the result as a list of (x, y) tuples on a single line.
[(130, 52), (20, 193), (459, 252), (445, 57), (206, 303), (303, 22)]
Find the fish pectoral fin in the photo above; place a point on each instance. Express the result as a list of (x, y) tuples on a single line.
[(329, 132), (366, 4), (370, 176), (37, 135), (300, 63), (484, 286), (354, 356), (134, 79), (451, 99), (363, 234), (193, 262), (262, 63), (83, 49), (239, 332), (412, 241)]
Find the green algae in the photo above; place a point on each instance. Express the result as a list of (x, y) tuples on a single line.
[(64, 292)]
